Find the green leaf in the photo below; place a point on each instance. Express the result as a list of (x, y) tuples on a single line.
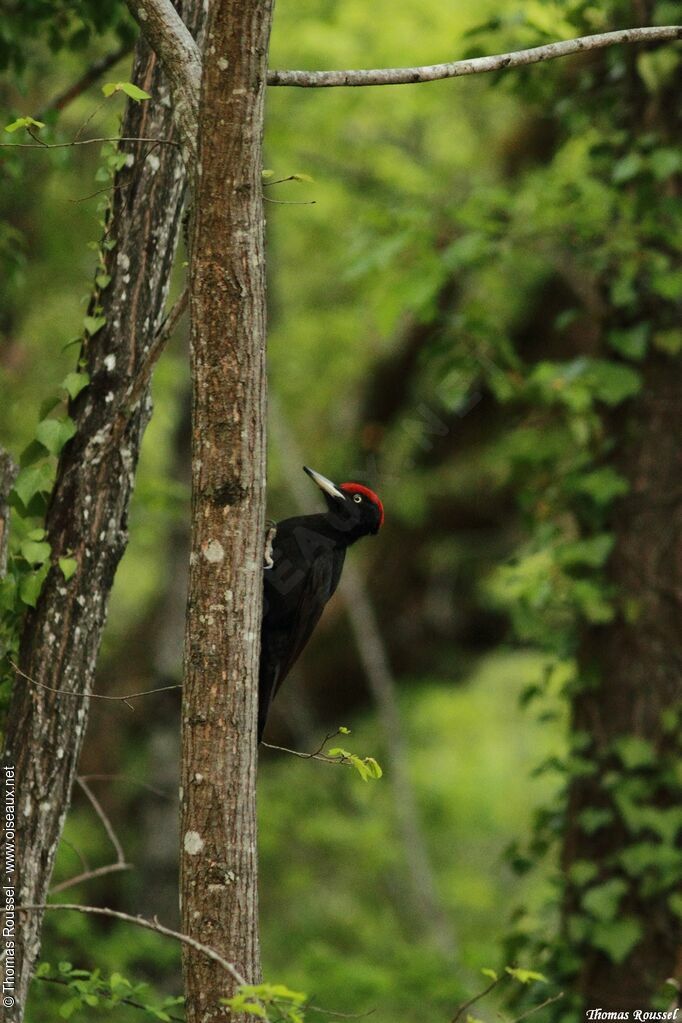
[(343, 730), (591, 819), (23, 122), (627, 168), (67, 1009), (592, 551), (630, 342), (131, 90), (93, 324), (68, 567), (337, 751), (582, 872), (265, 174), (34, 479), (302, 177), (374, 768), (31, 585), (49, 403), (524, 976), (73, 383), (602, 901), (54, 433), (635, 752), (32, 453), (487, 972), (613, 383), (103, 280), (36, 552), (361, 767), (617, 938), (602, 485)]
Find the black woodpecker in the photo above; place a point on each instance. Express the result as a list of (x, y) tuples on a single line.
[(305, 566)]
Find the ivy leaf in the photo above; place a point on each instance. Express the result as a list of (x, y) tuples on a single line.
[(630, 342), (34, 479), (93, 324), (23, 122), (54, 433), (602, 902), (31, 585), (131, 90), (617, 938), (103, 280), (592, 551), (32, 453), (602, 485), (36, 552), (612, 382), (635, 752), (68, 567), (73, 383)]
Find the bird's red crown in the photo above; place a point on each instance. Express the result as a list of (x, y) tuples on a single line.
[(358, 488)]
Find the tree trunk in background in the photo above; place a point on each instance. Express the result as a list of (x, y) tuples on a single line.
[(8, 473), (637, 665), (218, 804), (632, 667), (89, 505)]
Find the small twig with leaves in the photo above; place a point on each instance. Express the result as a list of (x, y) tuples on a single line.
[(367, 767), (517, 973), (101, 991)]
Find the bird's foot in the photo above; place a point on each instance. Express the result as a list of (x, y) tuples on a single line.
[(268, 561)]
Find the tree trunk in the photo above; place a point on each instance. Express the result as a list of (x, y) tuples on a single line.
[(218, 810), (636, 668), (87, 516)]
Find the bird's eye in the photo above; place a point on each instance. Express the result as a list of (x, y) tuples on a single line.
[(357, 498)]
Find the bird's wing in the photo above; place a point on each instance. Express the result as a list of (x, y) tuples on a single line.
[(283, 644)]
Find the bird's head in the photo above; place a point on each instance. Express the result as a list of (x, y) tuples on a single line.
[(354, 509)]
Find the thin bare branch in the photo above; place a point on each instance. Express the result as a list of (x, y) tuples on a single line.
[(89, 875), (93, 696), (474, 66), (472, 1001), (148, 925), (536, 1008), (83, 142), (106, 823), (128, 781)]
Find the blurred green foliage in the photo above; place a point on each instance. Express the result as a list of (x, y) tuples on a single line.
[(478, 230)]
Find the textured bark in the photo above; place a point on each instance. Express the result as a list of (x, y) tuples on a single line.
[(8, 473), (474, 66), (88, 510), (218, 819), (170, 38)]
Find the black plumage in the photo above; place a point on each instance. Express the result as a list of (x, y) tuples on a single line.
[(308, 552)]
